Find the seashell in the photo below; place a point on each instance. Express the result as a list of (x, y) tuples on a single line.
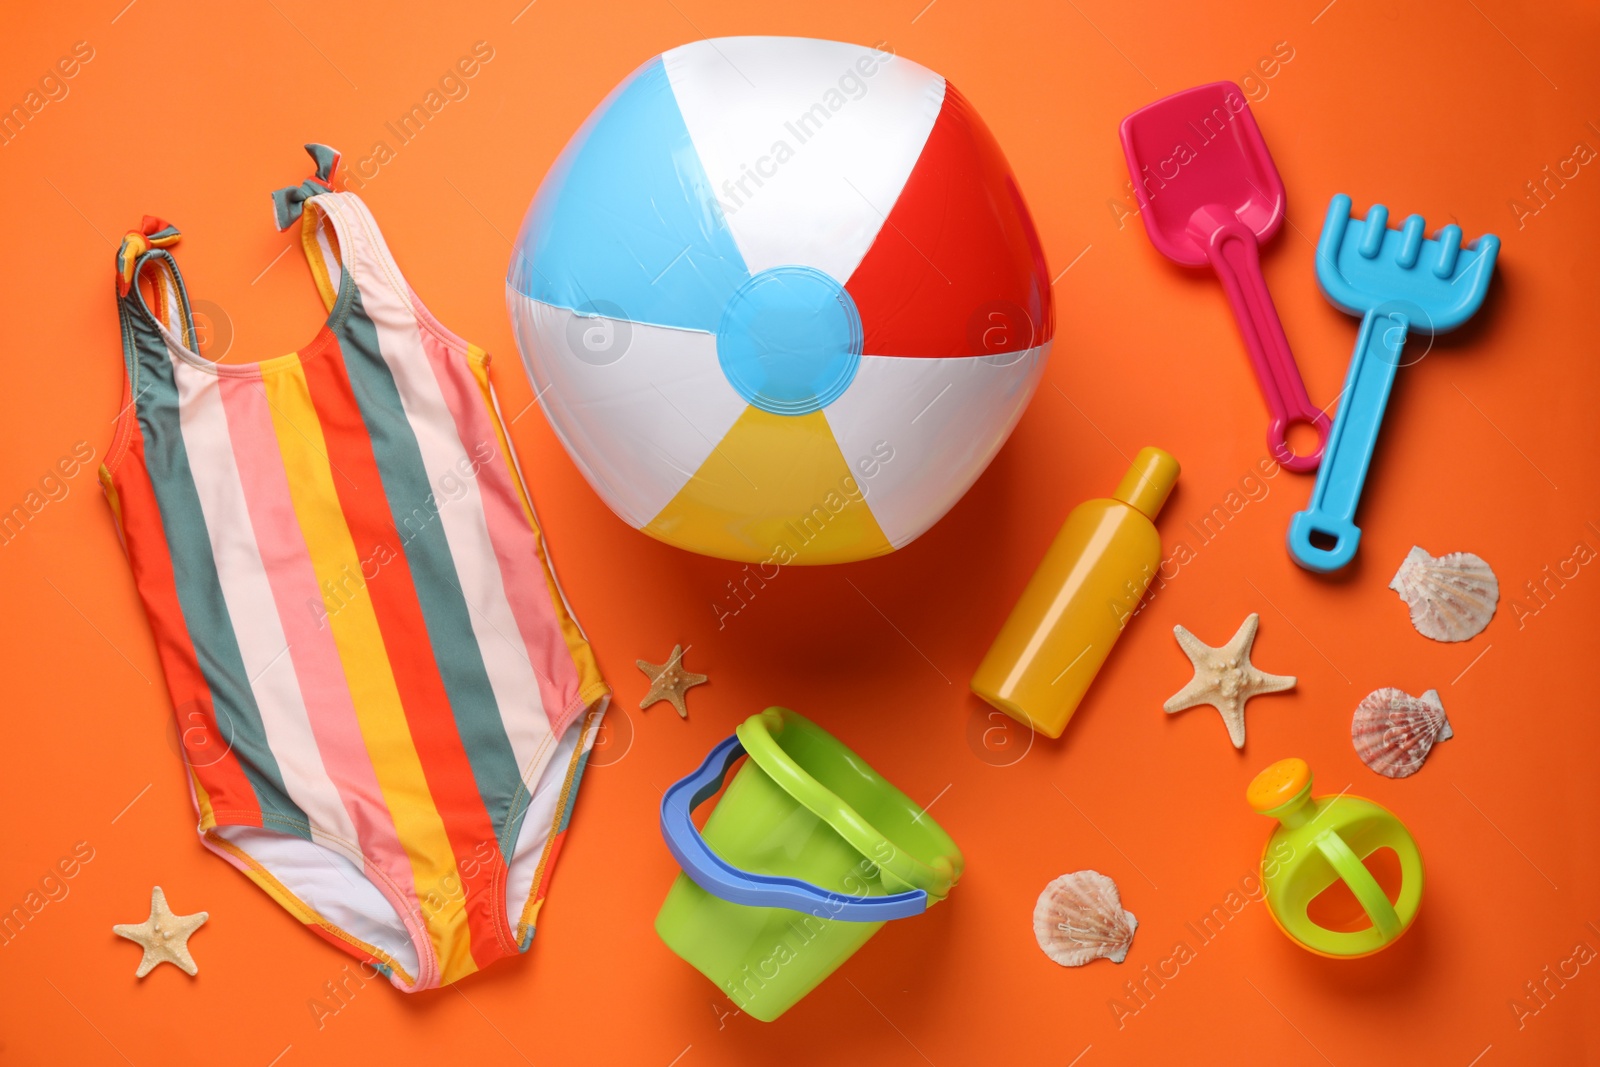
[(1080, 918), (1452, 597), (1393, 731)]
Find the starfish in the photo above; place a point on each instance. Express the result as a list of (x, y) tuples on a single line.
[(669, 681), (1224, 677), (165, 936)]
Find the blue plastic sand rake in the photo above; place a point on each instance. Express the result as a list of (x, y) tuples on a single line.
[(1397, 282)]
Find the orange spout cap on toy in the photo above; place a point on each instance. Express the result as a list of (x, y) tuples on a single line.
[(1343, 876), (1084, 592)]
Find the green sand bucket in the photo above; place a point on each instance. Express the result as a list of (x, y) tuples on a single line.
[(806, 855)]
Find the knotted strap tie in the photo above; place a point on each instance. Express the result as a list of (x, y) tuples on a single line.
[(288, 203), (152, 233)]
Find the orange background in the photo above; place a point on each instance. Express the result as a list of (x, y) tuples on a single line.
[(195, 112)]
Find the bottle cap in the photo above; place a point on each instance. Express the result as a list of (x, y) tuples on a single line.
[(1148, 481)]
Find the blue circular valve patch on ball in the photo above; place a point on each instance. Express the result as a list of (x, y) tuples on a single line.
[(790, 340)]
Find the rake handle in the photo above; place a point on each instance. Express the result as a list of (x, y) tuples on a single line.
[(1332, 511), (1236, 259)]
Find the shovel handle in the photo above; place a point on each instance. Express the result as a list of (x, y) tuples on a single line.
[(1235, 257), (1330, 518)]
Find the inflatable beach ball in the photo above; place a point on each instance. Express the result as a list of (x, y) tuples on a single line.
[(781, 299)]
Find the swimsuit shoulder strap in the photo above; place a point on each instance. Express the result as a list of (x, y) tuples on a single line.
[(319, 233), (342, 241), (338, 234), (144, 262), (143, 256)]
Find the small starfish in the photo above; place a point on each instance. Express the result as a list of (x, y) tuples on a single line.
[(669, 681), (1224, 677), (165, 936)]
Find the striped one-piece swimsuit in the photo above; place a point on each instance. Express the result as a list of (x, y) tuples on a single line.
[(384, 702)]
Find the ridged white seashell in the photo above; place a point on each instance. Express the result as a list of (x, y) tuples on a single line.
[(1452, 597), (1393, 731), (1080, 918)]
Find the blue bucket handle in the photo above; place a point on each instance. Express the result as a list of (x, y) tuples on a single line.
[(721, 879)]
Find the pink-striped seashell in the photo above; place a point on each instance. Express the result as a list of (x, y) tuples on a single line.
[(1452, 597), (1080, 918), (1393, 731)]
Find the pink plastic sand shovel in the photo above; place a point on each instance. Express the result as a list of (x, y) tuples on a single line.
[(1208, 193)]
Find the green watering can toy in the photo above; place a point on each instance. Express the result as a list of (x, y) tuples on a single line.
[(1343, 876)]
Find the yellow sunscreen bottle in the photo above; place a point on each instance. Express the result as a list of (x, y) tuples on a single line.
[(1078, 601)]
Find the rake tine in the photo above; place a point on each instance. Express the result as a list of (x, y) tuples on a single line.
[(1372, 237), (1410, 241), (1449, 248)]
